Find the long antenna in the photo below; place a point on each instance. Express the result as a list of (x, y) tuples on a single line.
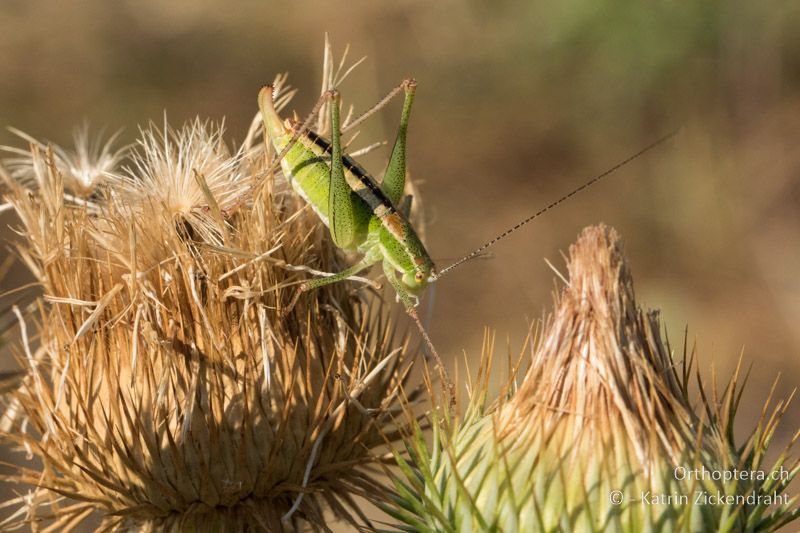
[(544, 210)]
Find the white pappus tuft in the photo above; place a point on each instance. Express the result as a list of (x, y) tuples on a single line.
[(188, 174), (84, 168)]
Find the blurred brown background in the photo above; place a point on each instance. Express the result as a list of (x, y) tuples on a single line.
[(518, 103)]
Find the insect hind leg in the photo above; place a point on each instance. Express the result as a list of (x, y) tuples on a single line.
[(350, 124), (394, 179)]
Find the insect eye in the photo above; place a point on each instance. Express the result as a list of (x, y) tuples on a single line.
[(419, 276)]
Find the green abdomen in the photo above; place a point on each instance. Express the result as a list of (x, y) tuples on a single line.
[(308, 171)]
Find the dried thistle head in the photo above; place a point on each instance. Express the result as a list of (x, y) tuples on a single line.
[(188, 175), (164, 389), (84, 168), (600, 435)]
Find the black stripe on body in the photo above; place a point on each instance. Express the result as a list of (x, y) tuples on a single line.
[(373, 195), (378, 196)]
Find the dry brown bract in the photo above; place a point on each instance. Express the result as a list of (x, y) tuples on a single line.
[(163, 391)]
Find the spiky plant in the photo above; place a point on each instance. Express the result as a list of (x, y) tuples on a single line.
[(601, 435), (83, 168), (164, 387)]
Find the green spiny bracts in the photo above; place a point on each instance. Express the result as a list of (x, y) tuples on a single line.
[(601, 434)]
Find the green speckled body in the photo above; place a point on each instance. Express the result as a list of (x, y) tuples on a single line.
[(307, 167), (359, 212)]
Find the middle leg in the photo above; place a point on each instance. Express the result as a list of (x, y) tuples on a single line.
[(321, 282)]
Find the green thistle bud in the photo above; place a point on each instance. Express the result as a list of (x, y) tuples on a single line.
[(601, 434)]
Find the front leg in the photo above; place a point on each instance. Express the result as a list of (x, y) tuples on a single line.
[(410, 301)]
